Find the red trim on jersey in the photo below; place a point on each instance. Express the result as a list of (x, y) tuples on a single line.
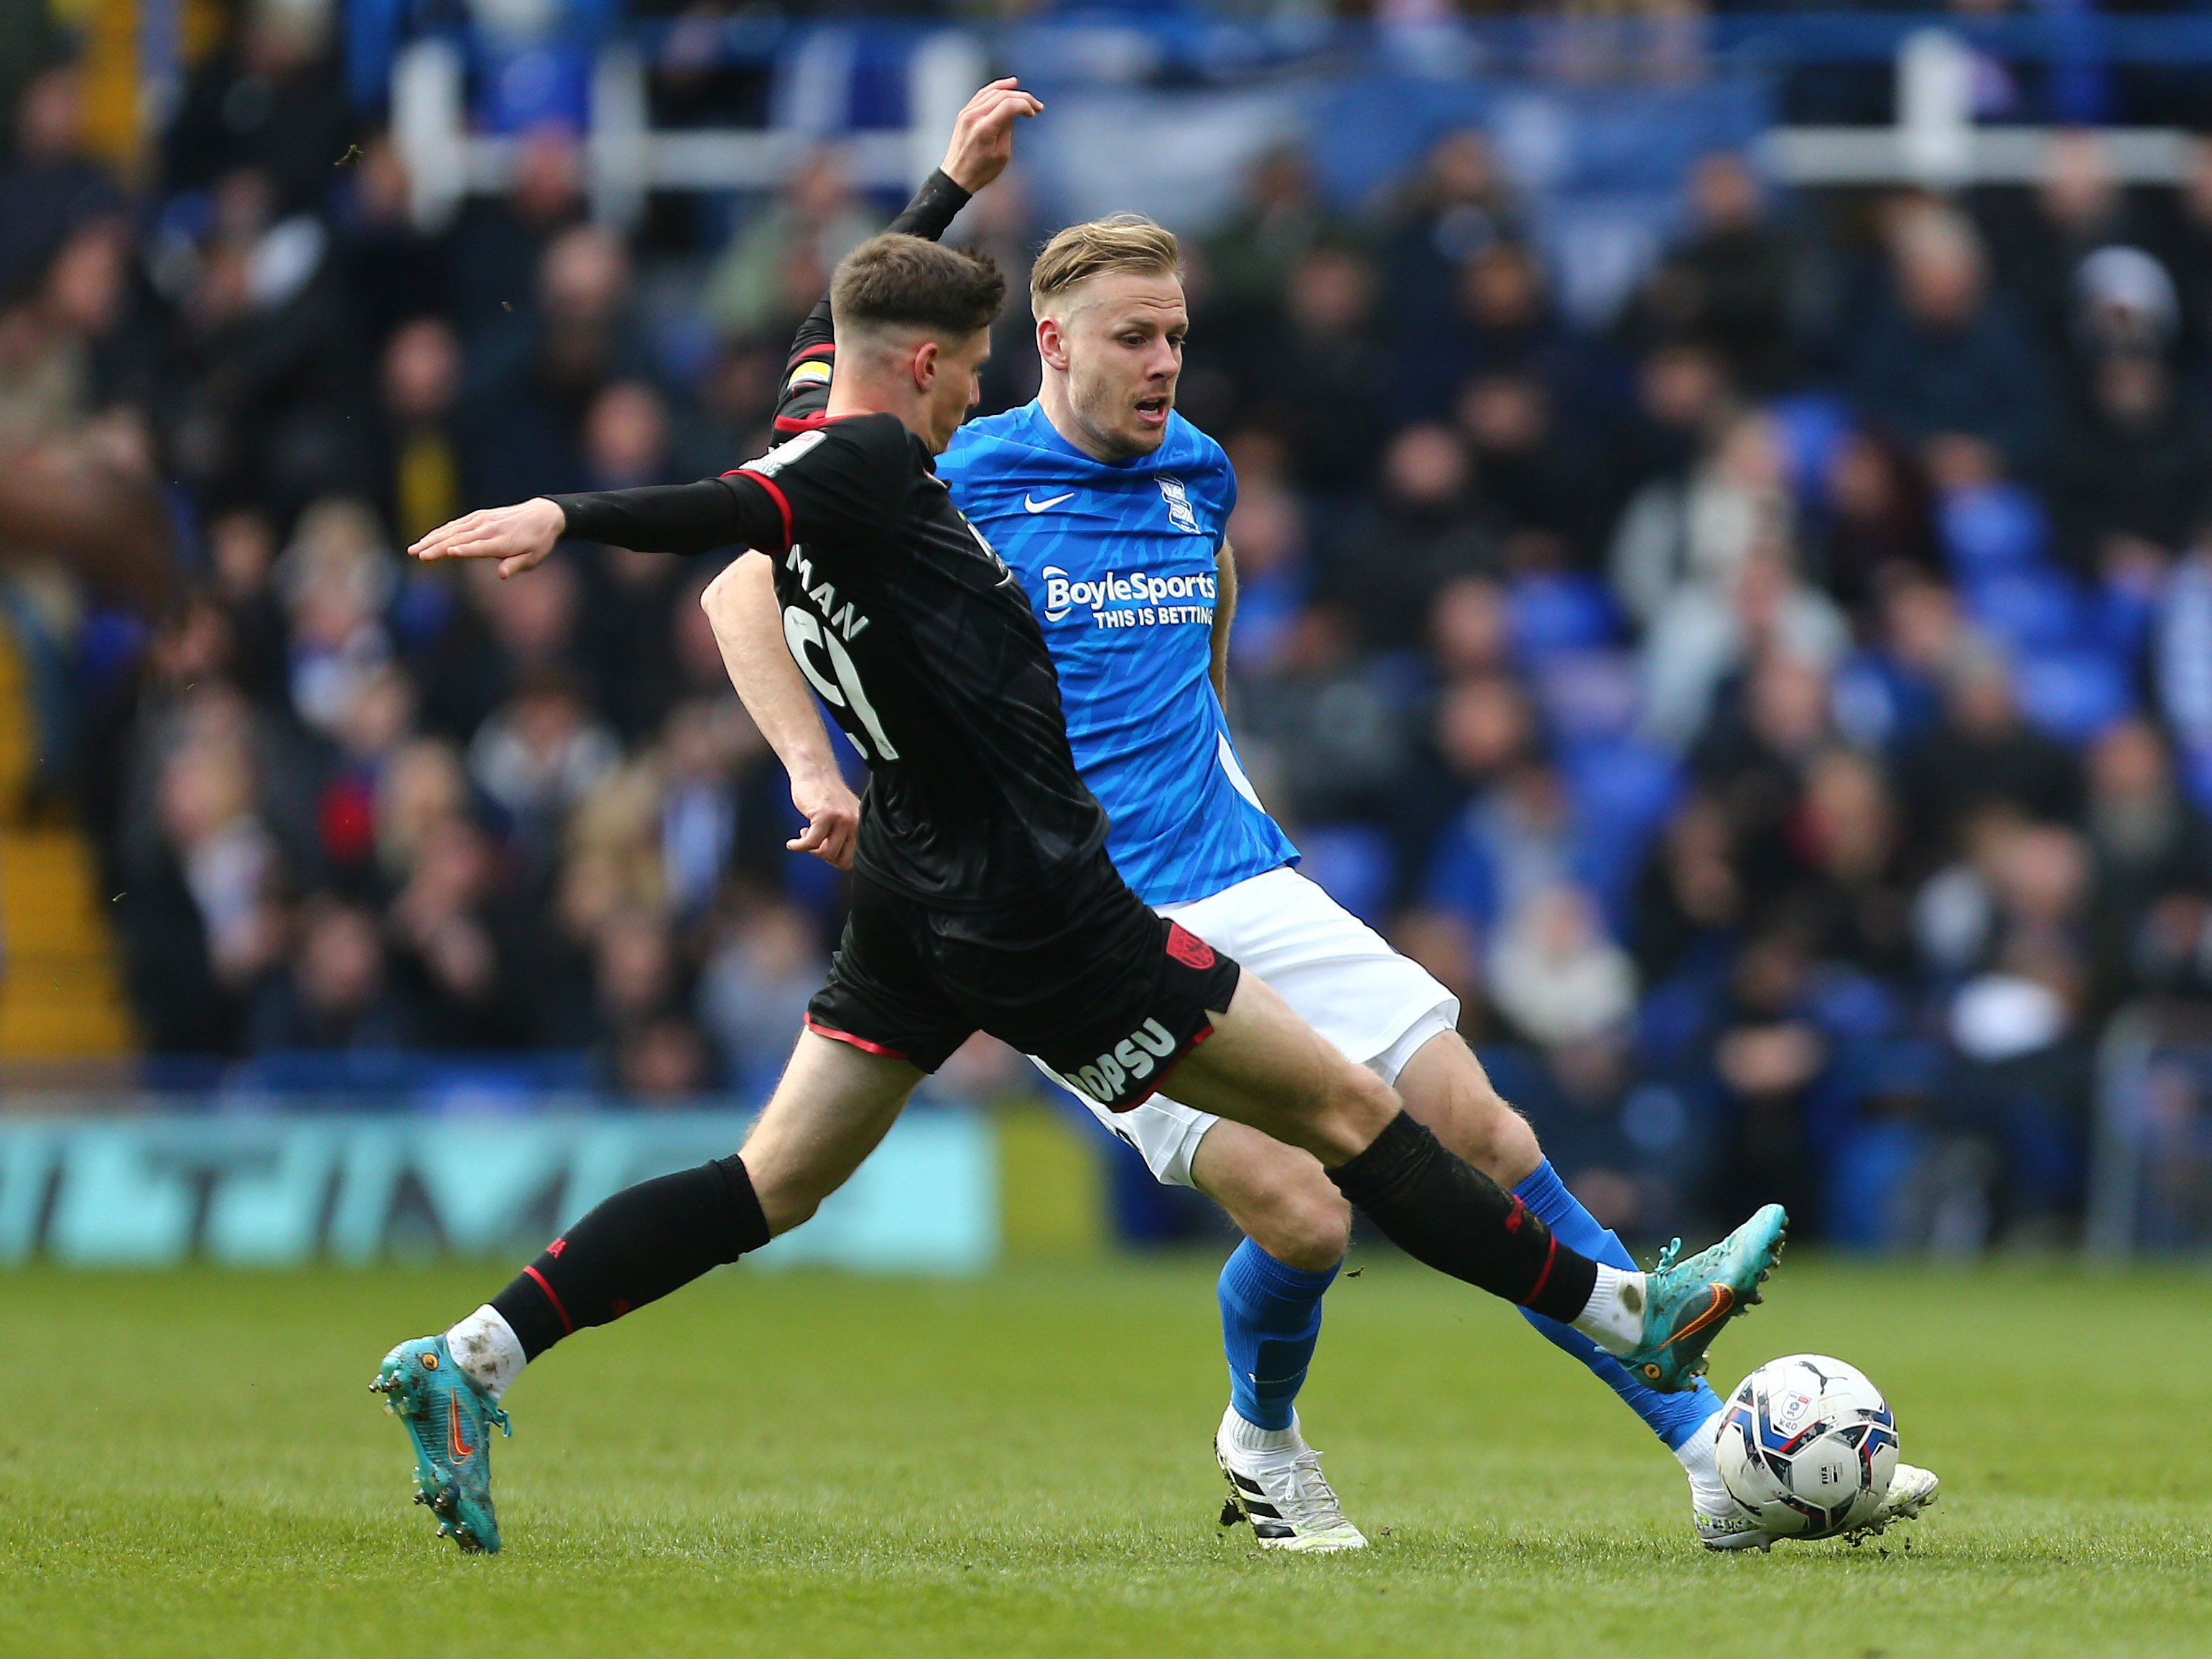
[(1160, 1078), (802, 422), (862, 1043), (1551, 1254), (567, 1325), (782, 501), (826, 350)]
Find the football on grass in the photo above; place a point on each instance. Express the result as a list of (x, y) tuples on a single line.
[(1807, 1445)]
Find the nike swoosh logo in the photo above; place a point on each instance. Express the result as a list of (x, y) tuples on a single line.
[(461, 1450), (1036, 505), (1722, 1304)]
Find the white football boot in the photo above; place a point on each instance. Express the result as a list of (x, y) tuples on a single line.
[(1724, 1524), (1275, 1482)]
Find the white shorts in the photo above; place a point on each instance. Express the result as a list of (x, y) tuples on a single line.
[(1332, 967)]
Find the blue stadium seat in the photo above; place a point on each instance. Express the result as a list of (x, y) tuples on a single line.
[(2072, 694), (1555, 612), (1623, 790), (2029, 611), (1992, 528), (1586, 695), (2196, 770), (2121, 617), (1352, 862), (1813, 425)]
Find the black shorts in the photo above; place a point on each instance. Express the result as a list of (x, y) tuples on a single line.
[(1086, 977)]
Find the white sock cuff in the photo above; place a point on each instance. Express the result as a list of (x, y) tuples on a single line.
[(1613, 1318), (1249, 1437), (485, 1346)]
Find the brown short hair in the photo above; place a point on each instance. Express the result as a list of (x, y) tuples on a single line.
[(1119, 242), (896, 281)]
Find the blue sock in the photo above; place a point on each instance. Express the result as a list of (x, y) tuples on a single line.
[(1270, 1321), (1671, 1417)]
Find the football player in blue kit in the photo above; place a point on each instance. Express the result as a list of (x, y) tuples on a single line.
[(1113, 509)]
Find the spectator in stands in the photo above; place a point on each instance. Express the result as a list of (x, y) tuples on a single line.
[(2151, 851), (242, 561), (416, 481), (1555, 974), (1502, 320), (2076, 209), (268, 100), (1758, 751), (1943, 366), (1426, 526), (1708, 631), (1858, 908), (1690, 897), (1873, 526), (539, 755), (2129, 484), (1279, 220), (2019, 1074), (778, 263), (265, 355), (1534, 482), (540, 370), (1700, 530), (1727, 285), (459, 939), (1456, 207), (335, 992), (501, 243), (1319, 381), (766, 960), (394, 270), (51, 185), (200, 920), (337, 579), (1770, 1067), (1984, 754)]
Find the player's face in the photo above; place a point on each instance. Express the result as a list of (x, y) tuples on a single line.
[(1123, 339), (955, 387)]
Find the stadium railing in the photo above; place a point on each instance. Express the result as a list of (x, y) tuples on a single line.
[(892, 131)]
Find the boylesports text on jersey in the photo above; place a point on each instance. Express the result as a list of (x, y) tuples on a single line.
[(1138, 599)]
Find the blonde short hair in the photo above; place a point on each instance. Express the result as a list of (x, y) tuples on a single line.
[(1119, 242)]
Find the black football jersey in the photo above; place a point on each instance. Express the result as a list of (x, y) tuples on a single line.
[(899, 615), (923, 645)]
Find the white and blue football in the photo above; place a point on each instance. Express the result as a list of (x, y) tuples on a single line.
[(1807, 1445)]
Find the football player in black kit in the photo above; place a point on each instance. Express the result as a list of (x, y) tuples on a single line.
[(982, 896)]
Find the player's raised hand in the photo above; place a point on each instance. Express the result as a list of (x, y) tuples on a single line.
[(518, 536), (983, 136), (833, 817)]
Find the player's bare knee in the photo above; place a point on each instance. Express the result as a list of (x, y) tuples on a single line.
[(1355, 1106), (1314, 1226)]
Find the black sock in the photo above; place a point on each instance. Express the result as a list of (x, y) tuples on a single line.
[(1441, 1210), (641, 1244)]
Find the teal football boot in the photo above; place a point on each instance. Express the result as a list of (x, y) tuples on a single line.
[(449, 1420), (1686, 1303)]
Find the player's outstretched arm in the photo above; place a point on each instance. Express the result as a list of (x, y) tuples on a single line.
[(518, 536), (748, 625)]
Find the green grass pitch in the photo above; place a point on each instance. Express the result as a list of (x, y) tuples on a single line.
[(192, 1464)]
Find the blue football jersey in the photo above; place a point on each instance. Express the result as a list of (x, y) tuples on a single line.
[(1118, 562)]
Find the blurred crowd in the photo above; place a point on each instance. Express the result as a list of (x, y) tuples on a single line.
[(1783, 715)]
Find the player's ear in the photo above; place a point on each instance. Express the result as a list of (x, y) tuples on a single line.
[(925, 364), (1052, 343)]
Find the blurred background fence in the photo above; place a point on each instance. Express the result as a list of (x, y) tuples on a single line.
[(1726, 583)]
